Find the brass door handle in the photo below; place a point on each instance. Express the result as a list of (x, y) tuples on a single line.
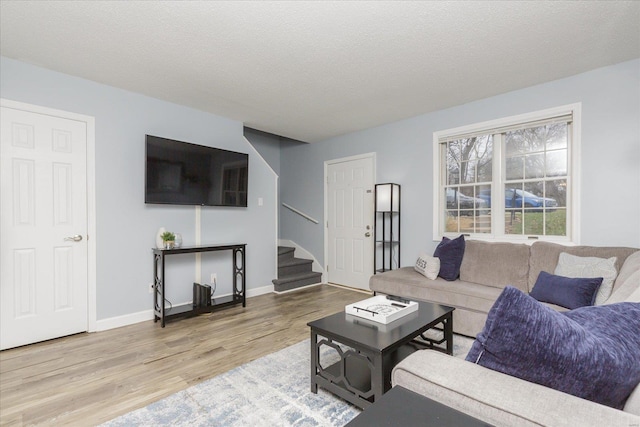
[(367, 234)]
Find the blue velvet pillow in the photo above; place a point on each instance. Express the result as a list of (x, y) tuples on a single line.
[(564, 291), (450, 253), (590, 352)]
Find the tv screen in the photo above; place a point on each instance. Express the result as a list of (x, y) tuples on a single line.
[(180, 173)]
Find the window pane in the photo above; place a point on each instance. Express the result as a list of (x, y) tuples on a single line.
[(534, 166), (533, 223), (466, 224), (484, 193), (469, 158), (556, 136), (453, 151), (557, 190), (525, 141), (451, 196), (468, 172), (514, 144), (482, 214), (556, 223), (513, 221), (515, 168), (466, 201), (513, 196), (452, 158), (451, 223), (556, 164), (453, 174), (485, 170), (483, 153)]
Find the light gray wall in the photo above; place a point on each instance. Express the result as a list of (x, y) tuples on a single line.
[(268, 145), (126, 227), (610, 194)]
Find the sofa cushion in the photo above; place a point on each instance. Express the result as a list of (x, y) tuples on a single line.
[(632, 405), (628, 280), (544, 256), (629, 291), (577, 266), (565, 291), (450, 252), (499, 399), (428, 266), (495, 264), (410, 284), (588, 352)]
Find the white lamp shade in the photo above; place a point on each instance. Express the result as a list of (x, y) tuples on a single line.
[(386, 195)]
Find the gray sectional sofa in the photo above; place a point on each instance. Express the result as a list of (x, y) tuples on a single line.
[(487, 267), (491, 396)]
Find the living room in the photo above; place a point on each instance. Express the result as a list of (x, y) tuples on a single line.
[(122, 228)]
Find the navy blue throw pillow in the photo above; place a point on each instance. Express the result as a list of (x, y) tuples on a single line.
[(564, 291), (590, 352), (450, 253)]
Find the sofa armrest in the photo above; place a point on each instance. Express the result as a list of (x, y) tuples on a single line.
[(497, 398)]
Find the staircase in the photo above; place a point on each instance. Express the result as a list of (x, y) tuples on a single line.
[(293, 272)]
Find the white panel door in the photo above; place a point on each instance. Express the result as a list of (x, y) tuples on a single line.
[(350, 186), (43, 222)]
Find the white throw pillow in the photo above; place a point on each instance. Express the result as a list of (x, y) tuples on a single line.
[(589, 267), (428, 266)]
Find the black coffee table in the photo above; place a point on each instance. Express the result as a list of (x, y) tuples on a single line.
[(368, 351), (402, 407)]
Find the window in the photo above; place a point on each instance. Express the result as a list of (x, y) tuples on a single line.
[(509, 179)]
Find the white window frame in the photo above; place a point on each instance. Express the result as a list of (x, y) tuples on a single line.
[(497, 224)]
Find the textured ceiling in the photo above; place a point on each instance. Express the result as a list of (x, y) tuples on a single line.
[(313, 70)]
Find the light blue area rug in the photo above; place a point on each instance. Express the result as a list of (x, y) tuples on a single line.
[(271, 391)]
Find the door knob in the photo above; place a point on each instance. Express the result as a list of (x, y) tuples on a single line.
[(367, 234), (75, 238)]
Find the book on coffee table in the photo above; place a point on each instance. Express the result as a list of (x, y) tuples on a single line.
[(382, 309)]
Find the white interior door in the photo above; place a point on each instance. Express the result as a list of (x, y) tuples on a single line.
[(43, 222), (349, 195)]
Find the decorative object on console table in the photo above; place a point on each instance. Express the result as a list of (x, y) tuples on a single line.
[(159, 241), (169, 239), (387, 228)]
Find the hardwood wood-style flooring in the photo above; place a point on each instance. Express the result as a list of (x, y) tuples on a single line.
[(87, 379)]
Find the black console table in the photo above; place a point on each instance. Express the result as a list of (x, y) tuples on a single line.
[(239, 282)]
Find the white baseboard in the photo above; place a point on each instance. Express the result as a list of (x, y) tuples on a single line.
[(143, 316), (259, 291), (125, 320), (349, 288), (303, 253), (297, 289)]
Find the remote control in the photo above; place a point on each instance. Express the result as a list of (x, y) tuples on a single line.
[(395, 298)]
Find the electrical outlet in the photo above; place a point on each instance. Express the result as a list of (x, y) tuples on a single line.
[(151, 288), (214, 278)]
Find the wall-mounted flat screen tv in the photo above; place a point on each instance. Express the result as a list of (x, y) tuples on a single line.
[(180, 173)]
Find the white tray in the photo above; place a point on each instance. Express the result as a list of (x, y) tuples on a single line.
[(381, 309)]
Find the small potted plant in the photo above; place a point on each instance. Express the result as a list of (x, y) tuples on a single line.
[(169, 240)]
